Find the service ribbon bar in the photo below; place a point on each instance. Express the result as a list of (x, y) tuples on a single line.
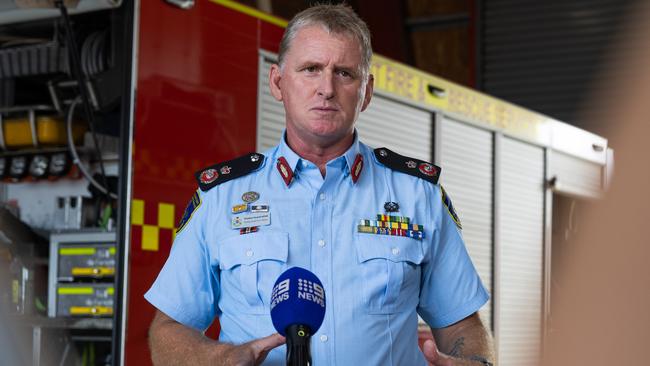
[(389, 218), (393, 232), (392, 225)]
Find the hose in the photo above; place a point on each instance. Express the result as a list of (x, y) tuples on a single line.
[(75, 155)]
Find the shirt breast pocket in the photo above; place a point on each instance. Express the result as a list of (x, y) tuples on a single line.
[(390, 270), (250, 264)]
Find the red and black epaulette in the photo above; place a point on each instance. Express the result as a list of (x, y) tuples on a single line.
[(411, 166), (228, 170)]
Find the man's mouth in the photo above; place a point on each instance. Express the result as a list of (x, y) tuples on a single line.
[(325, 109)]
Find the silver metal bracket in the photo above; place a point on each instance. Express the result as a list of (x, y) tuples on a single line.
[(183, 4)]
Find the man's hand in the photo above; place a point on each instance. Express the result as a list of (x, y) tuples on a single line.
[(252, 353), (434, 356), (478, 350), (173, 343)]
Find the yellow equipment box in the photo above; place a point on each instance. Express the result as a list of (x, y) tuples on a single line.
[(50, 131)]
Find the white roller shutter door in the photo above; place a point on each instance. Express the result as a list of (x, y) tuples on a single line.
[(399, 127), (519, 264), (270, 112), (575, 176), (466, 159)]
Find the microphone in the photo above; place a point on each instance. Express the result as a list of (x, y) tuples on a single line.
[(297, 311)]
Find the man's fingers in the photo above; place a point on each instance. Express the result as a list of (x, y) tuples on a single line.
[(432, 354), (267, 343), (261, 347), (430, 350)]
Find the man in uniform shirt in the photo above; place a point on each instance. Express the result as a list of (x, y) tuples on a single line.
[(374, 226)]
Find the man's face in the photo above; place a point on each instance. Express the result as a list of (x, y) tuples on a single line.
[(321, 86)]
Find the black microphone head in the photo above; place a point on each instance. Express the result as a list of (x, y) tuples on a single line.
[(298, 298)]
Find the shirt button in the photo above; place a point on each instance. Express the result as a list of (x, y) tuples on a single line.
[(322, 196), (395, 251), (323, 338), (321, 243), (249, 253)]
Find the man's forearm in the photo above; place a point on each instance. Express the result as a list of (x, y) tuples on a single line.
[(469, 342), (172, 343)]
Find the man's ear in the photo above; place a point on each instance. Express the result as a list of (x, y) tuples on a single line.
[(370, 85), (274, 82)]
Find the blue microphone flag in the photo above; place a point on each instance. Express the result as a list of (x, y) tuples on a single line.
[(298, 298)]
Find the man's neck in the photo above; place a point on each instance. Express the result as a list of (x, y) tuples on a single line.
[(319, 154)]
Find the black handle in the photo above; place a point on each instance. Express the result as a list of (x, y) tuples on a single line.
[(298, 341)]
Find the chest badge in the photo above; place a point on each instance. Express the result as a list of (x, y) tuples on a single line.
[(259, 208), (251, 219), (391, 206), (247, 218), (250, 197), (239, 208)]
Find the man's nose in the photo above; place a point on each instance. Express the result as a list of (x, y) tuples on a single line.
[(326, 85)]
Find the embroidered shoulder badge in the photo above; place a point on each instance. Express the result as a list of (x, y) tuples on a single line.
[(194, 203), (450, 208), (228, 170), (414, 167)]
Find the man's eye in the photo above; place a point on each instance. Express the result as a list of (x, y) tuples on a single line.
[(310, 69), (345, 74)]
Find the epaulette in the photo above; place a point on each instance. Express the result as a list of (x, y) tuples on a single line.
[(411, 166), (228, 170)]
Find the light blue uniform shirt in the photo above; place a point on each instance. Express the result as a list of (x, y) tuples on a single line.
[(375, 285)]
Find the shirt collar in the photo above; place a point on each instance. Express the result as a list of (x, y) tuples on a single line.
[(293, 160), (352, 153), (286, 152)]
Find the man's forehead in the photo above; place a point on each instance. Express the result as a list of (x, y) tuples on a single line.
[(321, 29), (315, 42)]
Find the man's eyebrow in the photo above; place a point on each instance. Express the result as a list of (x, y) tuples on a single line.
[(309, 63), (351, 69)]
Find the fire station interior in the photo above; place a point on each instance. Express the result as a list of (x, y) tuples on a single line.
[(65, 84), (60, 169)]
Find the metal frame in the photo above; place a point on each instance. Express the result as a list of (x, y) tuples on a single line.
[(262, 55), (496, 234), (548, 248), (3, 146), (479, 40), (437, 137), (21, 14), (32, 127), (183, 4), (125, 191)]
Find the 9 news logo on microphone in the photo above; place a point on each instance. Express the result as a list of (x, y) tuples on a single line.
[(298, 297)]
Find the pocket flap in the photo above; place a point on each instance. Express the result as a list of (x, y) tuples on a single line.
[(393, 248), (250, 248)]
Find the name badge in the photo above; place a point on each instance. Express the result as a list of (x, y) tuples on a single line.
[(251, 219)]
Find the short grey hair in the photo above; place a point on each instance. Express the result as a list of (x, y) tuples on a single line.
[(337, 19)]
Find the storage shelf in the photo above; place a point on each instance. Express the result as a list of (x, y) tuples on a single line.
[(64, 323)]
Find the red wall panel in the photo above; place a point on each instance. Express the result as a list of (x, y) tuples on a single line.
[(196, 104)]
